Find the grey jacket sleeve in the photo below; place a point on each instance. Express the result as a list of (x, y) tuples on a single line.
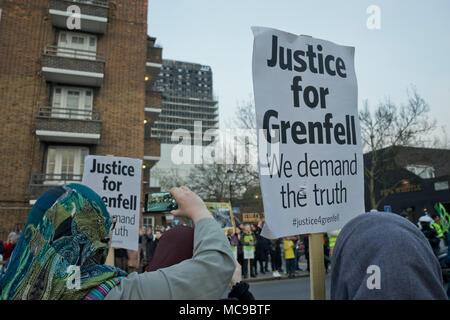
[(205, 276)]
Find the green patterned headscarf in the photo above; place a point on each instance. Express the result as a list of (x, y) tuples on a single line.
[(63, 249)]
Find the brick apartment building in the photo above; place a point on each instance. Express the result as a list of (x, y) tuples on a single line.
[(66, 93)]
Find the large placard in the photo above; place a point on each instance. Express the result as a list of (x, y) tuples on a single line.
[(310, 150), (118, 182)]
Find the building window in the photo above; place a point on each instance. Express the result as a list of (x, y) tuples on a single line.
[(77, 45), (71, 102), (423, 171), (148, 222), (65, 164)]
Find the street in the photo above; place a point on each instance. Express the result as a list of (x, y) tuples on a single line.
[(290, 289)]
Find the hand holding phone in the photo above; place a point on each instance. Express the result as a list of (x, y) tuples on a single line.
[(160, 202), (189, 204)]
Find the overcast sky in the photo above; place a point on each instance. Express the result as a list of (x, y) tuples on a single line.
[(411, 47)]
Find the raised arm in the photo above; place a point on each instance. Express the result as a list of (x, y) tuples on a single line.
[(205, 276)]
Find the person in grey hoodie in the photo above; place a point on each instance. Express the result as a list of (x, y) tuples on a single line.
[(382, 256)]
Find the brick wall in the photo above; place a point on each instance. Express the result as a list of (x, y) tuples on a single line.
[(10, 225), (52, 61), (69, 125), (152, 146), (154, 99), (121, 99), (25, 30), (154, 55)]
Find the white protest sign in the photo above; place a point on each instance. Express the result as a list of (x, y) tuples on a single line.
[(117, 181), (249, 252), (309, 145)]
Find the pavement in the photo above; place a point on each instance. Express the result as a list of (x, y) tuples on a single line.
[(268, 276)]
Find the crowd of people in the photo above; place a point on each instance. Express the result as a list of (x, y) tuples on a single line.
[(276, 253), (278, 256), (70, 226), (287, 252)]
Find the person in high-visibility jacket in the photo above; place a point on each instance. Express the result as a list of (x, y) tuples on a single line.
[(436, 225), (332, 237), (443, 216)]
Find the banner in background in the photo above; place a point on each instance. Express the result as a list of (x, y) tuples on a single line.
[(222, 213)]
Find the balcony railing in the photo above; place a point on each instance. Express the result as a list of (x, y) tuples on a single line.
[(67, 113), (43, 179), (41, 182), (53, 50), (73, 66)]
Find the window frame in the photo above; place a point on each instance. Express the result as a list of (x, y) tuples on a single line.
[(78, 163), (85, 103), (87, 40)]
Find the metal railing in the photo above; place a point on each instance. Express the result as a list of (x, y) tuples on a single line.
[(68, 113), (43, 179), (53, 50)]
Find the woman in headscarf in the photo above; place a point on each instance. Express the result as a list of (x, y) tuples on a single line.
[(384, 256), (64, 247)]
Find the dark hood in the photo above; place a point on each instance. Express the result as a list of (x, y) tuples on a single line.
[(174, 246), (408, 267)]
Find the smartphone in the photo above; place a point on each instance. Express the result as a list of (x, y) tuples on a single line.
[(160, 202)]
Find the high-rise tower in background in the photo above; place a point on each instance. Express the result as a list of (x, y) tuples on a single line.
[(187, 90), (188, 101)]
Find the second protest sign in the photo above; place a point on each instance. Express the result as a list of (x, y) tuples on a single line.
[(310, 152), (118, 182)]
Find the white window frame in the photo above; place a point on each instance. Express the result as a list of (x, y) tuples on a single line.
[(78, 164), (65, 40), (145, 219), (60, 107)]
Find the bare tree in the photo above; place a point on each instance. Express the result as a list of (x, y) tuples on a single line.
[(246, 116), (386, 128), (169, 178), (246, 119), (441, 140), (211, 182)]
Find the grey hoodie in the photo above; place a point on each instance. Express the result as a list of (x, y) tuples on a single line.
[(384, 256)]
